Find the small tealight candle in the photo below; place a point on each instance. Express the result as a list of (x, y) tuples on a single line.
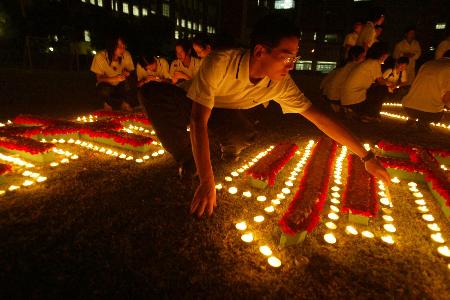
[(288, 183), (444, 250), (333, 216), (387, 239), (232, 190), (274, 262), (335, 201), (434, 227), (228, 178), (413, 189), (276, 202), (331, 225), (285, 191), (234, 174), (265, 250), (385, 201), (351, 230), (412, 184), (335, 188), (247, 194), (395, 180), (382, 194), (334, 208), (367, 234), (219, 186), (269, 209), (437, 237), (388, 218), (423, 209), (390, 228), (258, 219), (248, 237), (261, 198), (386, 210), (27, 183), (420, 202), (41, 179), (329, 238), (281, 196), (241, 226), (335, 195), (428, 217), (418, 195)]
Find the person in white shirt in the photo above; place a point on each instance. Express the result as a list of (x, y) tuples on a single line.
[(202, 45), (112, 68), (152, 68), (354, 96), (351, 38), (332, 84), (239, 79), (397, 75), (185, 66), (368, 34), (429, 93), (410, 48), (442, 48)]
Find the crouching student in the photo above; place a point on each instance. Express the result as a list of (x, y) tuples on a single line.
[(152, 69), (112, 68), (185, 66), (429, 93)]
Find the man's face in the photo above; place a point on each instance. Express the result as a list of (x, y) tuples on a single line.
[(410, 35), (402, 67), (181, 54), (357, 28), (277, 62), (120, 48), (201, 52)]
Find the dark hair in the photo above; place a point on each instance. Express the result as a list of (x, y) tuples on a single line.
[(403, 60), (376, 13), (185, 44), (408, 29), (271, 29), (446, 54), (377, 50), (111, 45), (354, 53), (145, 60), (202, 40)]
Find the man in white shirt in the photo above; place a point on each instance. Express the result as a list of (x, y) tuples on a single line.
[(410, 48), (185, 66), (112, 68), (397, 75), (152, 69), (351, 38), (442, 48), (241, 79), (368, 34), (429, 93)]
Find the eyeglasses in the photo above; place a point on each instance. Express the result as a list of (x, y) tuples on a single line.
[(291, 60)]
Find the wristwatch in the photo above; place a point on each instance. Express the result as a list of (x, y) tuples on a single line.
[(368, 156)]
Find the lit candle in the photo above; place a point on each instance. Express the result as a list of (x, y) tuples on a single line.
[(367, 234), (434, 227), (27, 183), (420, 202), (390, 228), (444, 250), (265, 250), (285, 191), (248, 237), (281, 196), (232, 190), (288, 183), (241, 226), (335, 188), (387, 239), (261, 198), (331, 225), (274, 262), (329, 238), (269, 209), (228, 178), (395, 180), (247, 194), (385, 201), (418, 195), (428, 217), (334, 208), (335, 195), (234, 174), (258, 219), (276, 202), (333, 216), (388, 218), (412, 184), (41, 179), (335, 201), (351, 230), (219, 186), (423, 209), (437, 237)]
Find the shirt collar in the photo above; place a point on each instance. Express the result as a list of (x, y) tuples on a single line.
[(243, 70)]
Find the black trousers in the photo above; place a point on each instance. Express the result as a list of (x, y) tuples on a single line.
[(371, 107), (424, 118), (169, 110), (113, 95)]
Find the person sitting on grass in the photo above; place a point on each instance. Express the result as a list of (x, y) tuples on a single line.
[(429, 93), (332, 84), (238, 79), (185, 66), (151, 68), (397, 75), (112, 68), (358, 102)]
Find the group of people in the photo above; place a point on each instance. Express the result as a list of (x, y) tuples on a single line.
[(358, 88), (114, 68)]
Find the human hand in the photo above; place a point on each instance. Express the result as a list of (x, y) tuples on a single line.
[(204, 199), (374, 167), (119, 78)]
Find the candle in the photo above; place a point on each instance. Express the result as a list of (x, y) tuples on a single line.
[(274, 262), (265, 250), (428, 217), (395, 180), (334, 208), (367, 234), (390, 228), (276, 202), (333, 216), (387, 239), (234, 174), (258, 219), (232, 190), (248, 237), (437, 237), (385, 201), (228, 178), (420, 202), (247, 194), (219, 186), (329, 238), (434, 227), (269, 209), (335, 201), (331, 225), (261, 198), (388, 218), (444, 250), (241, 225), (351, 230), (285, 191), (288, 183)]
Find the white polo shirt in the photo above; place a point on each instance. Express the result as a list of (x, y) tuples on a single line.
[(102, 66), (431, 84), (350, 39), (333, 88), (194, 66), (359, 80), (162, 70), (223, 81), (368, 35)]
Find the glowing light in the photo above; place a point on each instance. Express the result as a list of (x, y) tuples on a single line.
[(428, 217), (423, 209), (74, 157), (247, 194), (388, 218), (418, 195), (41, 179), (335, 201), (351, 230), (334, 208), (269, 209), (274, 262), (444, 250), (281, 196), (139, 160), (413, 189), (437, 237), (232, 190), (54, 164), (382, 194), (333, 216), (389, 228), (241, 226), (285, 191), (64, 161), (329, 238), (289, 183), (2, 192), (335, 195), (219, 186), (420, 202), (265, 250), (434, 227), (27, 183), (335, 188), (228, 178), (13, 188), (234, 174), (387, 239), (261, 198), (276, 202), (385, 201), (258, 219), (331, 225), (367, 234), (248, 237), (395, 180)]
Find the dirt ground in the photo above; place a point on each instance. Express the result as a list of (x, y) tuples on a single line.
[(106, 228)]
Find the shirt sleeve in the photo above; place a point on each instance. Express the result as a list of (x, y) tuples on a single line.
[(128, 63), (165, 69), (209, 77), (291, 99), (97, 65)]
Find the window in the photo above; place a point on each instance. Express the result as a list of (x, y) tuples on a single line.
[(315, 36), (284, 4), (144, 11), (153, 12), (116, 6), (135, 10), (194, 25), (183, 23), (178, 22), (325, 66), (440, 26), (83, 1), (199, 27), (87, 36), (125, 8), (189, 24), (303, 65), (177, 34), (166, 9), (100, 3), (330, 38), (92, 2)]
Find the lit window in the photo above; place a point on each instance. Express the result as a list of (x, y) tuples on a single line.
[(87, 36), (100, 3), (177, 34), (189, 24), (325, 66), (315, 36), (194, 25), (125, 8), (440, 26), (199, 27), (166, 9), (83, 1), (135, 10), (284, 4), (330, 38), (92, 2), (183, 23), (178, 22), (116, 6), (303, 65), (144, 12), (153, 12)]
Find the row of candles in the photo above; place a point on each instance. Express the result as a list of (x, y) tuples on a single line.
[(405, 118)]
